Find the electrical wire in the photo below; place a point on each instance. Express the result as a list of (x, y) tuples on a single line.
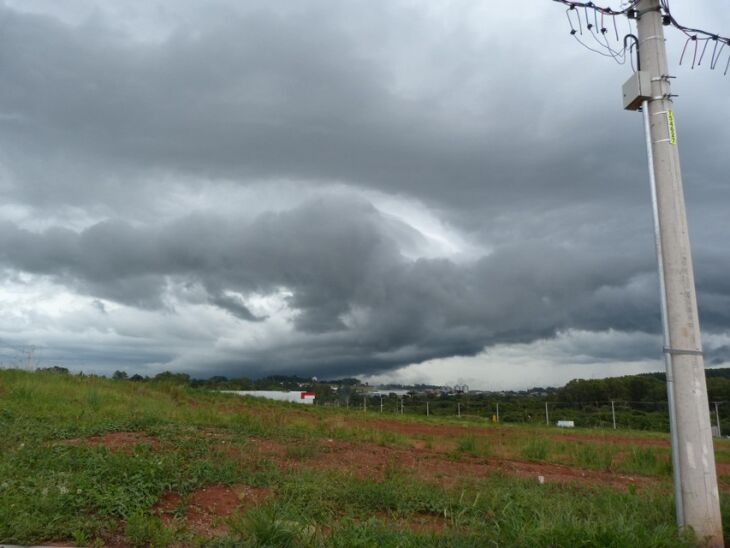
[(600, 9), (695, 46), (602, 40)]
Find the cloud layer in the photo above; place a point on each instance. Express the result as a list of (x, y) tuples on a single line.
[(330, 189)]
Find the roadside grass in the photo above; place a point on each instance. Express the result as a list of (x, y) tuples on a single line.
[(54, 486)]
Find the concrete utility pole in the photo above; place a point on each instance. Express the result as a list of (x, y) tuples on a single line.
[(693, 457)]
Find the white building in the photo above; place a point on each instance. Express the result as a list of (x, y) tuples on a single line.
[(307, 398)]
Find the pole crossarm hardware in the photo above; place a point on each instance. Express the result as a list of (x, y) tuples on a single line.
[(700, 44)]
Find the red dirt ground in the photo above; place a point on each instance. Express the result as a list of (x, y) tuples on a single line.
[(369, 460), (204, 509), (116, 440)]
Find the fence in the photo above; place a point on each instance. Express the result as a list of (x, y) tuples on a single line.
[(612, 414)]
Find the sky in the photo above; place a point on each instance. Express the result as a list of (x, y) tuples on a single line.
[(442, 191)]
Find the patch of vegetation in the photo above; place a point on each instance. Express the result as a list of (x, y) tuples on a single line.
[(648, 461), (57, 483), (302, 450), (146, 530), (590, 455), (536, 449), (473, 446)]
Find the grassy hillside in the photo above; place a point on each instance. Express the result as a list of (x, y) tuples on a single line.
[(88, 460)]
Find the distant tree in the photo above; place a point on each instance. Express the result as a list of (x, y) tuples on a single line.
[(349, 381), (323, 391), (137, 378), (639, 388), (718, 388), (173, 378), (119, 375), (242, 383), (55, 369)]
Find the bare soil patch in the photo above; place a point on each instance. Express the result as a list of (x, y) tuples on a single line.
[(116, 440), (203, 510), (370, 460), (367, 460)]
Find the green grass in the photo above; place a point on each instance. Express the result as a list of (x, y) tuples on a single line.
[(53, 487), (302, 451), (588, 455), (536, 449), (473, 446), (649, 461)]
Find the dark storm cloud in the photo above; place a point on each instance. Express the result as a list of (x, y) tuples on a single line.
[(718, 356), (299, 94), (513, 136), (363, 305)]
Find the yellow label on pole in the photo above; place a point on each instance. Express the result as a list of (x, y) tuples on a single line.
[(672, 127)]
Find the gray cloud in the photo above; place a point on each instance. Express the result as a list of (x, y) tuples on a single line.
[(265, 94), (121, 135), (359, 303)]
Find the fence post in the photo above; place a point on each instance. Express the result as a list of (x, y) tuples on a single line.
[(613, 414), (717, 421), (427, 410), (458, 409), (498, 412), (547, 415)]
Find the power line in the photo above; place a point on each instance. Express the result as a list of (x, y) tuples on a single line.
[(606, 10), (583, 19)]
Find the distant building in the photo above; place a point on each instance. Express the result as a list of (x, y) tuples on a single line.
[(388, 391), (307, 398)]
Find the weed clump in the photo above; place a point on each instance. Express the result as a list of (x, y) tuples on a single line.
[(146, 530), (536, 449), (590, 456)]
